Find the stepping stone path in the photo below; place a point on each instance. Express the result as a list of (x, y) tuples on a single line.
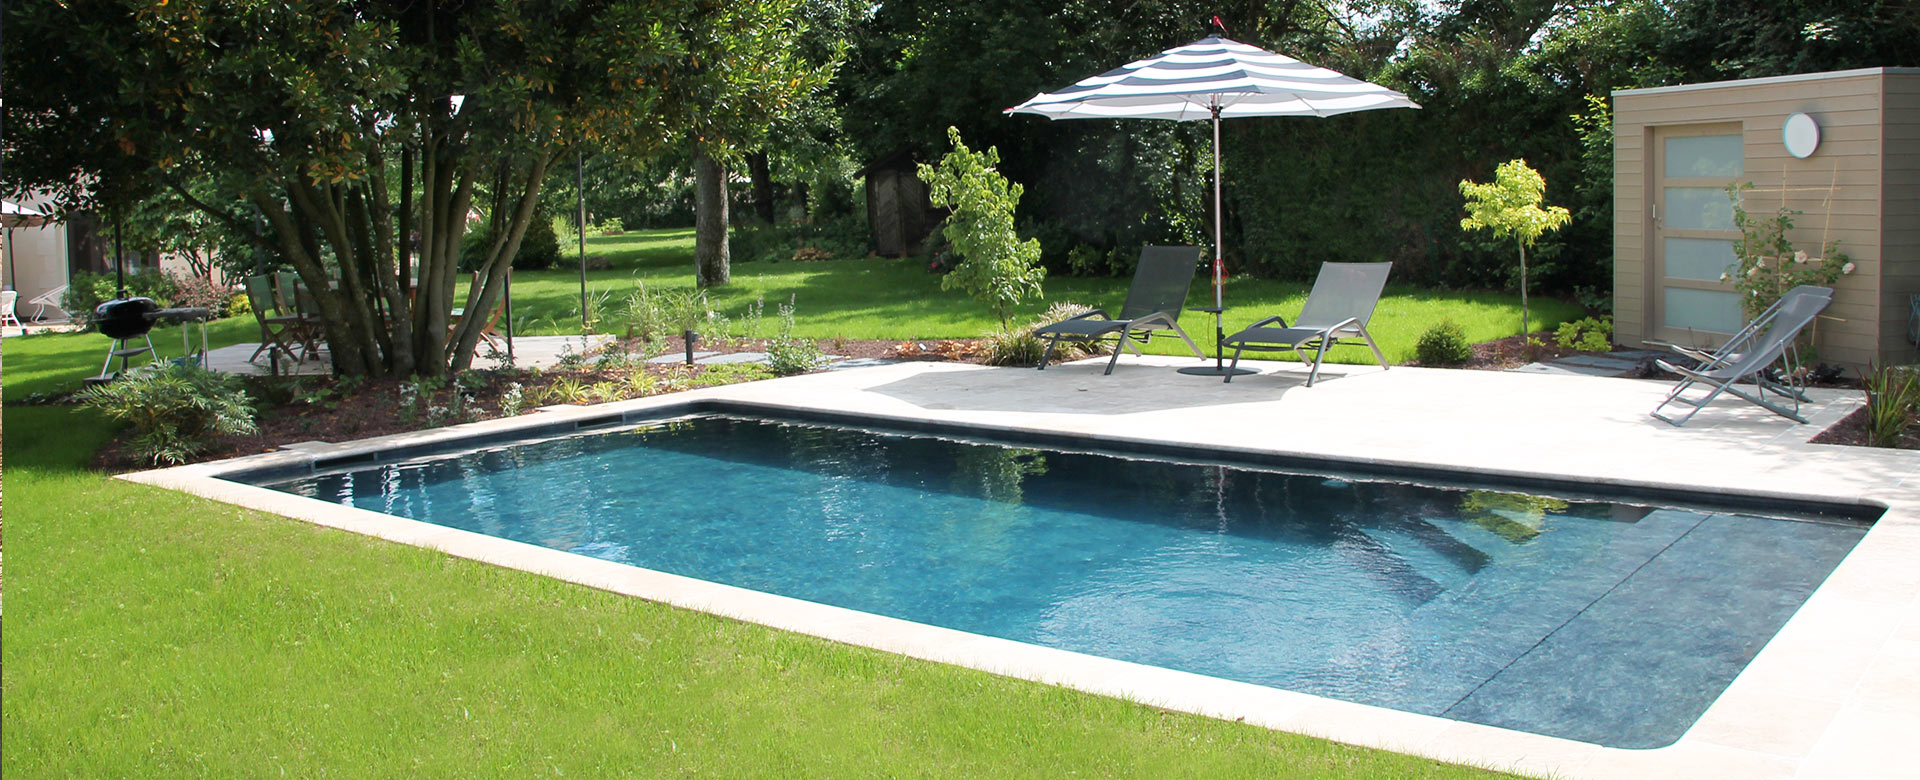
[(1623, 363)]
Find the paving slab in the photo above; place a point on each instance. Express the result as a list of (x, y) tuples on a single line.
[(734, 357), (681, 357), (1564, 369), (842, 364), (528, 352), (1597, 361)]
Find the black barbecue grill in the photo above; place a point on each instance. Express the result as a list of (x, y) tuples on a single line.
[(126, 319)]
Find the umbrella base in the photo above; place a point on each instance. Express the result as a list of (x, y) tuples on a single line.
[(1216, 371)]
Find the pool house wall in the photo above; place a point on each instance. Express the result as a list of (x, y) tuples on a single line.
[(1860, 187)]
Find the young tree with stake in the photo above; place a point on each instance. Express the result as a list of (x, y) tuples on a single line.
[(1510, 206)]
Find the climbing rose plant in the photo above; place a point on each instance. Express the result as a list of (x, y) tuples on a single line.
[(1766, 265)]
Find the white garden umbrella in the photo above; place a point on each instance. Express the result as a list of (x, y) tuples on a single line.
[(1209, 79)]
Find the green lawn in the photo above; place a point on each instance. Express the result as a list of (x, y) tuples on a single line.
[(897, 299), (154, 634)]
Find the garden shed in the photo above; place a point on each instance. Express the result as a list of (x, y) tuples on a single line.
[(899, 211), (1841, 148)]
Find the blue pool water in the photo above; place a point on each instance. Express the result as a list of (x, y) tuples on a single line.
[(1599, 622)]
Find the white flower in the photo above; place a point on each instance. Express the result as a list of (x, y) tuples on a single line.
[(1846, 269), (1725, 278), (1760, 262), (1800, 257), (1752, 272)]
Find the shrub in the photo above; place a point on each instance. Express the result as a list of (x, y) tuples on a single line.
[(513, 402), (787, 355), (175, 411), (1893, 392), (1444, 344), (192, 290), (652, 317), (829, 239), (539, 248), (1591, 334), (1012, 348), (1068, 350), (87, 290), (238, 304)]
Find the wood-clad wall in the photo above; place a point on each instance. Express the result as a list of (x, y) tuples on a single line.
[(1858, 188), (1900, 214)]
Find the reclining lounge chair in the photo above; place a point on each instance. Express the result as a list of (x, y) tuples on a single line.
[(1159, 290), (1751, 353), (1341, 303)]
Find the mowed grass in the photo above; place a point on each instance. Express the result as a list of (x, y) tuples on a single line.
[(155, 634), (896, 299)]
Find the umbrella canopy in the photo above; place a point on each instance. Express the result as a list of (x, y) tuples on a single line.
[(1189, 82), (1208, 79), (15, 215)]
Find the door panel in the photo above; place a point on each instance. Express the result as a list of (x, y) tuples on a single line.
[(1693, 233)]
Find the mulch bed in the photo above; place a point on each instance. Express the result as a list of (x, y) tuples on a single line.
[(1851, 431), (313, 408)]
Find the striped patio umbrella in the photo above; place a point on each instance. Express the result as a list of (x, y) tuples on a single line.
[(1209, 79)]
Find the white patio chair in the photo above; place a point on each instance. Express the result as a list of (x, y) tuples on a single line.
[(7, 297)]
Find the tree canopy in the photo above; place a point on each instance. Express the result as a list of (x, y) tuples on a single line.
[(328, 134), (364, 135)]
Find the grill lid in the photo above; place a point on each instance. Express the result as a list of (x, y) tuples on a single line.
[(125, 318)]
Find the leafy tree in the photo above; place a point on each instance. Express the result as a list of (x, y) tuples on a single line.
[(997, 267), (755, 76), (363, 135), (1510, 207)]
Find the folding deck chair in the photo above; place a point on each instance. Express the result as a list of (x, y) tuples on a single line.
[(1159, 291), (1752, 352), (1341, 303), (1743, 340)]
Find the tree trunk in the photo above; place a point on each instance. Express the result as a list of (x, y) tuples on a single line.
[(762, 178), (709, 220), (1524, 326)]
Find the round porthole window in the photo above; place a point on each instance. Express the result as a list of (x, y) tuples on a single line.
[(1801, 135)]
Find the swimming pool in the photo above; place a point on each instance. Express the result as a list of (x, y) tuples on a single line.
[(1547, 615)]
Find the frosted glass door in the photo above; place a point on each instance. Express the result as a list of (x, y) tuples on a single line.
[(1693, 299)]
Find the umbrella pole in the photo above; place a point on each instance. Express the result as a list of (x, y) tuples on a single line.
[(1219, 367), (1219, 261)]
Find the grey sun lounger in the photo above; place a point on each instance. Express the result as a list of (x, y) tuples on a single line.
[(1341, 303), (1154, 300), (1769, 339)]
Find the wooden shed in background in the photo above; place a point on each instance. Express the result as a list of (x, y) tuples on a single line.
[(1857, 181), (899, 211)]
